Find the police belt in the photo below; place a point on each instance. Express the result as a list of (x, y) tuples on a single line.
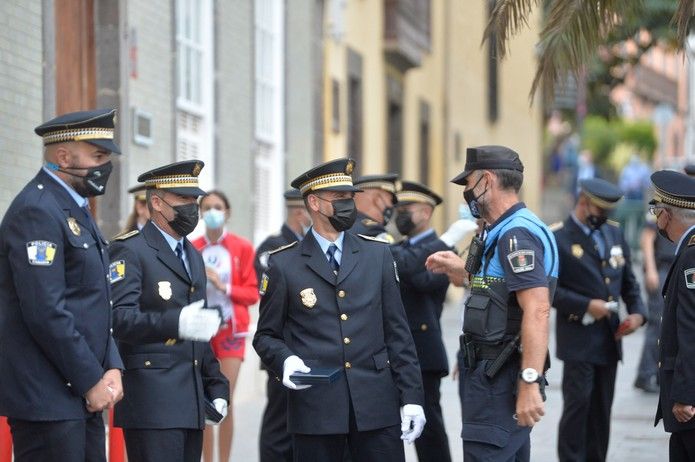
[(499, 354)]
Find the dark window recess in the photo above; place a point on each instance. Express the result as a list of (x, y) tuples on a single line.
[(424, 142), (355, 109), (395, 137), (457, 147), (335, 102), (492, 74)]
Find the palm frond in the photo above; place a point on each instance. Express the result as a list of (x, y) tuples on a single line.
[(572, 33), (507, 18), (683, 18)]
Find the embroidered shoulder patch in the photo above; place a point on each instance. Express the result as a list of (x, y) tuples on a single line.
[(522, 261), (41, 253), (263, 286), (691, 242), (117, 271), (689, 278)]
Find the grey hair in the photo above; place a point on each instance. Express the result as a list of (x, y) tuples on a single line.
[(686, 216)]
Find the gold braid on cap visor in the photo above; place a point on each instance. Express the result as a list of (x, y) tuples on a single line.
[(326, 181), (172, 181), (604, 204), (414, 196), (385, 185), (78, 134), (665, 198)]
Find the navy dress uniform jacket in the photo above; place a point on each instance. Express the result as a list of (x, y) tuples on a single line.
[(55, 317), (585, 275), (354, 320), (677, 348), (423, 294), (166, 379), (271, 243)]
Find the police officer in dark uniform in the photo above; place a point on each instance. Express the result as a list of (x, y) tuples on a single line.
[(59, 365), (375, 204), (332, 301), (595, 272), (505, 329), (140, 214), (274, 440), (162, 327), (674, 207), (423, 295)]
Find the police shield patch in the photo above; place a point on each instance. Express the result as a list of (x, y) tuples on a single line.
[(116, 271), (690, 278), (522, 261), (264, 284), (41, 253)]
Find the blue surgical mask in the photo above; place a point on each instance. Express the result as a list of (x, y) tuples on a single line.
[(213, 218)]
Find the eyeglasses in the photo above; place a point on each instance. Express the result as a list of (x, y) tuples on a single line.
[(653, 209)]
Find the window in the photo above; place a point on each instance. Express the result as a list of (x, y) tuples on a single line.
[(492, 77), (355, 119), (195, 85), (424, 142), (395, 125)]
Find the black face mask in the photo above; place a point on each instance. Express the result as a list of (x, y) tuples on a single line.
[(94, 182), (344, 213), (185, 218), (473, 201), (404, 223), (388, 214), (596, 221)]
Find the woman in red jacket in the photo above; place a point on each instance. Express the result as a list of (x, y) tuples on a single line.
[(232, 284)]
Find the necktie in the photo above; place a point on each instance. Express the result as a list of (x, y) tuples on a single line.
[(179, 253), (90, 219), (331, 258)]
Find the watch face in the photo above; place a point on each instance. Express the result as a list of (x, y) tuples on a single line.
[(529, 375)]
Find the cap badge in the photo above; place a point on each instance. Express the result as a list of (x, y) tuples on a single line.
[(196, 169), (349, 167), (74, 227), (308, 297), (165, 289)]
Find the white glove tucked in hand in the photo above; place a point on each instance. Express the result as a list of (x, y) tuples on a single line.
[(198, 323), (221, 407), (457, 231), (291, 365), (412, 422)]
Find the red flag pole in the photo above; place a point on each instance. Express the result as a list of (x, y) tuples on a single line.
[(5, 441), (116, 442)]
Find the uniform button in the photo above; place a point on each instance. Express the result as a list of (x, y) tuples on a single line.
[(192, 289), (341, 293), (40, 186), (277, 378), (346, 340), (658, 342), (85, 245), (111, 330), (344, 317), (111, 302), (607, 280), (659, 365), (195, 362), (67, 384), (148, 364), (348, 365), (170, 342), (423, 327)]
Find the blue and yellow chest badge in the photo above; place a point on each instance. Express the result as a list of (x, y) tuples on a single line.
[(263, 287), (116, 271), (41, 253)]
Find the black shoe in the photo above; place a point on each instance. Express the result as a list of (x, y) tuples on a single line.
[(648, 386)]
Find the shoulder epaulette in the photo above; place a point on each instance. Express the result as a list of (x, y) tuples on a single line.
[(371, 238), (281, 248), (613, 223), (555, 226), (691, 242), (369, 222), (125, 235)]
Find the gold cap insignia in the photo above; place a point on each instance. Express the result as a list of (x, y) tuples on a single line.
[(577, 250), (165, 289), (349, 167), (308, 297), (196, 169)]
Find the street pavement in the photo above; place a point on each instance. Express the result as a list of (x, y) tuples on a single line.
[(633, 436)]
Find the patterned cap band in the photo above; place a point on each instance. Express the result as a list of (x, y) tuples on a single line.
[(604, 204), (78, 134), (385, 185), (414, 196), (664, 198), (326, 181), (172, 181)]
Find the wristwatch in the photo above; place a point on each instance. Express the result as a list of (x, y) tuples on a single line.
[(530, 375)]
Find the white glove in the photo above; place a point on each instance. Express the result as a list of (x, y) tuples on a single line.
[(291, 365), (221, 407), (197, 323), (457, 230), (415, 415)]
